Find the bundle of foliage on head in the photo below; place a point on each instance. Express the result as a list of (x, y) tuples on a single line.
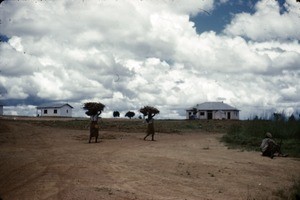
[(149, 111), (93, 108)]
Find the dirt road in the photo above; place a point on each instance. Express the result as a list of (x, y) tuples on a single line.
[(50, 163)]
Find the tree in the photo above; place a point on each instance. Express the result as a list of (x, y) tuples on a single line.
[(278, 116), (129, 114), (116, 114), (292, 118), (256, 118)]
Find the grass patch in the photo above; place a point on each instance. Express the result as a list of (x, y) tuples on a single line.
[(250, 134), (137, 125)]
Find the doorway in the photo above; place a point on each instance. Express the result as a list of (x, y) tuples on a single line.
[(209, 115), (228, 115)]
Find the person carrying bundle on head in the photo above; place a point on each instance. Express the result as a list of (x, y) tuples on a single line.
[(94, 110), (94, 127), (150, 128), (150, 112)]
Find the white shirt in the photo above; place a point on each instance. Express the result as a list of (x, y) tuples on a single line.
[(265, 143), (94, 118)]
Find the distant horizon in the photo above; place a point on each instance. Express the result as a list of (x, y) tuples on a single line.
[(80, 113)]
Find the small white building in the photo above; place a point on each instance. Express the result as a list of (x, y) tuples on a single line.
[(212, 110), (55, 110), (1, 109)]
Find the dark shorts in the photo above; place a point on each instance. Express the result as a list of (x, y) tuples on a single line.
[(271, 150)]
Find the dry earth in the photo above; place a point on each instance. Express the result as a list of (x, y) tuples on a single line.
[(51, 163)]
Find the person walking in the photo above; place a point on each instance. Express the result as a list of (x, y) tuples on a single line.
[(94, 109), (149, 112), (150, 128), (94, 127)]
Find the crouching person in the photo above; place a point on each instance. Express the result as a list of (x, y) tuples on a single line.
[(270, 148)]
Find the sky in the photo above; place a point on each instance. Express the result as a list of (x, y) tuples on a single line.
[(170, 54)]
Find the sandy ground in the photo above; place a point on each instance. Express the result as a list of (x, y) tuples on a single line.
[(51, 163)]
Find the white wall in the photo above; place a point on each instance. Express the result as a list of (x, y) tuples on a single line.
[(220, 115), (65, 111), (216, 114)]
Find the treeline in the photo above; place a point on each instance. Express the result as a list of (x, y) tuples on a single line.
[(277, 117)]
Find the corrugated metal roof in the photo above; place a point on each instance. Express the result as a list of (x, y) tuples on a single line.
[(48, 105), (213, 106)]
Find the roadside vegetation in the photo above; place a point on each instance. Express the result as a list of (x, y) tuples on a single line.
[(249, 135), (138, 125)]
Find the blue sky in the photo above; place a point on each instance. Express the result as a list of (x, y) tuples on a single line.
[(218, 18), (222, 14), (170, 54)]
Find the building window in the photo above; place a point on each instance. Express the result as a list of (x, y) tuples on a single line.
[(202, 113), (45, 111), (55, 111), (67, 111)]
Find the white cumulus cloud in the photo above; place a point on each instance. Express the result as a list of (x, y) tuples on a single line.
[(128, 54)]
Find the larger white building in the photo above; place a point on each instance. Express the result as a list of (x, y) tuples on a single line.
[(212, 110), (55, 110)]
